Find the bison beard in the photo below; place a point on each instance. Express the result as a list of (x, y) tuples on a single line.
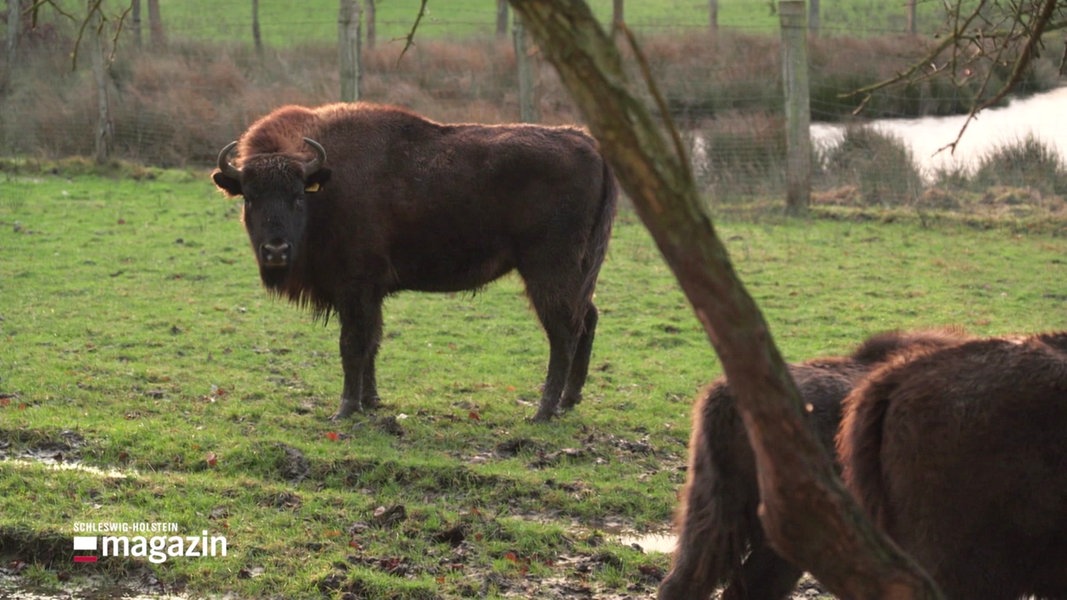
[(960, 455), (346, 204), (720, 539)]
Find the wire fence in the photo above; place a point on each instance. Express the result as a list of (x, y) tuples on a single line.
[(175, 104)]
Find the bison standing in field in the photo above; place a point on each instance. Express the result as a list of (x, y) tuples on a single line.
[(960, 456), (346, 204), (717, 521)]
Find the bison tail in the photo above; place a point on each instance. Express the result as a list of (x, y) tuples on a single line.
[(716, 521), (860, 439), (597, 247)]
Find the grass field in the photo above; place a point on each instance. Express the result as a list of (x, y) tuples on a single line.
[(285, 23), (135, 339)]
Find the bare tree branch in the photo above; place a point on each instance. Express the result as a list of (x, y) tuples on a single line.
[(410, 38), (661, 104), (981, 41)]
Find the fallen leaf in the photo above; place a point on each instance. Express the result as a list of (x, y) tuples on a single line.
[(332, 436), (211, 458)]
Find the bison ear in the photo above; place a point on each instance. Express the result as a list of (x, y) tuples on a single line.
[(316, 180), (231, 186)]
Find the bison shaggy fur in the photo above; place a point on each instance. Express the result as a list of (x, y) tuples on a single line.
[(720, 539), (960, 456)]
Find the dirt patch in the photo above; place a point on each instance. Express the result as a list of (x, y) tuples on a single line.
[(62, 446)]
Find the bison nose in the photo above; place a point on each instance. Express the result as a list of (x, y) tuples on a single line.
[(274, 254)]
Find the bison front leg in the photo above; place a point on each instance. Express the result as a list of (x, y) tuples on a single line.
[(361, 332)]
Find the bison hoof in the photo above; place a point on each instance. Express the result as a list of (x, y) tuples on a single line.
[(544, 415), (347, 409), (569, 402)]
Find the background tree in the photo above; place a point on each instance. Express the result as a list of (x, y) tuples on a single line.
[(983, 39), (807, 514)]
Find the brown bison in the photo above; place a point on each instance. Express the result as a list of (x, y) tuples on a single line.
[(960, 456), (346, 204), (716, 522)]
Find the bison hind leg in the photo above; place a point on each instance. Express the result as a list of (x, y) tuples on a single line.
[(564, 335), (572, 391)]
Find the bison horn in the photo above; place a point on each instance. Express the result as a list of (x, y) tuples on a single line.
[(225, 165), (320, 157)]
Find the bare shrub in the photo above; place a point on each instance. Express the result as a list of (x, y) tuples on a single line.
[(1029, 162), (739, 153), (879, 165)]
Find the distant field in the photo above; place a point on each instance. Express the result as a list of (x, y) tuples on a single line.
[(135, 338), (293, 22)]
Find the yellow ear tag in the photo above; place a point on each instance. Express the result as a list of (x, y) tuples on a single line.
[(312, 188)]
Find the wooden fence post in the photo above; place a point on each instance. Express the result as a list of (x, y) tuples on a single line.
[(348, 44), (797, 105), (529, 112)]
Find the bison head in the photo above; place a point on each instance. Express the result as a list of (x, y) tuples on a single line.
[(275, 188)]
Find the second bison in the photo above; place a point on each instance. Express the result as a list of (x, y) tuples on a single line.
[(720, 539), (960, 456)]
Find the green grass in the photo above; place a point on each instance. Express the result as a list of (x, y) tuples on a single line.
[(296, 23), (134, 336)]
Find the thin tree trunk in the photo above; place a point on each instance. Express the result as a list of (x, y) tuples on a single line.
[(102, 139), (155, 25), (257, 39), (370, 12), (713, 14), (912, 25), (348, 44), (808, 516)]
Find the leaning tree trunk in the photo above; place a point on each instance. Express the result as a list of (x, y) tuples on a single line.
[(808, 515)]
